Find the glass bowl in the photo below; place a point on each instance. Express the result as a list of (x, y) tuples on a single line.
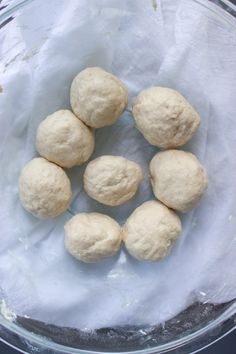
[(193, 329)]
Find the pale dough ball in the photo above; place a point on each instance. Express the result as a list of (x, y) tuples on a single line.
[(178, 179), (63, 139), (150, 231), (97, 97), (112, 180), (44, 188), (92, 237), (164, 117)]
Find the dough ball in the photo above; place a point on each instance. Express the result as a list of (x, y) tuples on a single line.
[(164, 117), (44, 188), (112, 180), (178, 179), (150, 231), (62, 138), (91, 237), (97, 97)]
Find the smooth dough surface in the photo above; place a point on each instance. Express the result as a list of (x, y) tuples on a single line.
[(112, 180), (63, 139), (178, 179), (97, 97), (150, 231), (44, 188), (164, 117), (91, 237)]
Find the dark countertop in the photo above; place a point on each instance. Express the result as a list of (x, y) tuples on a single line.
[(226, 345)]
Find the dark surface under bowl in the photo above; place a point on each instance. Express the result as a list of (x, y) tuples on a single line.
[(131, 338)]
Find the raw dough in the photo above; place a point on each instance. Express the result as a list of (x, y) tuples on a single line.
[(91, 237), (62, 138), (150, 231), (112, 180), (178, 179), (164, 117), (98, 98), (44, 188)]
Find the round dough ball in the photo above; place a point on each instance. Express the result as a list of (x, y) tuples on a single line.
[(178, 179), (91, 237), (44, 188), (97, 97), (112, 180), (62, 138), (164, 117), (150, 231)]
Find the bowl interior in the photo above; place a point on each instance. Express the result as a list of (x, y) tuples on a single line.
[(118, 305)]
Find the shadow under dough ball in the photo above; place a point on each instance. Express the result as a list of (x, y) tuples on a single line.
[(150, 231), (112, 180), (164, 117), (44, 188), (63, 139), (178, 179), (97, 97), (92, 237)]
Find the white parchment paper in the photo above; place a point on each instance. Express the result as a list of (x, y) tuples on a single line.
[(179, 44)]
